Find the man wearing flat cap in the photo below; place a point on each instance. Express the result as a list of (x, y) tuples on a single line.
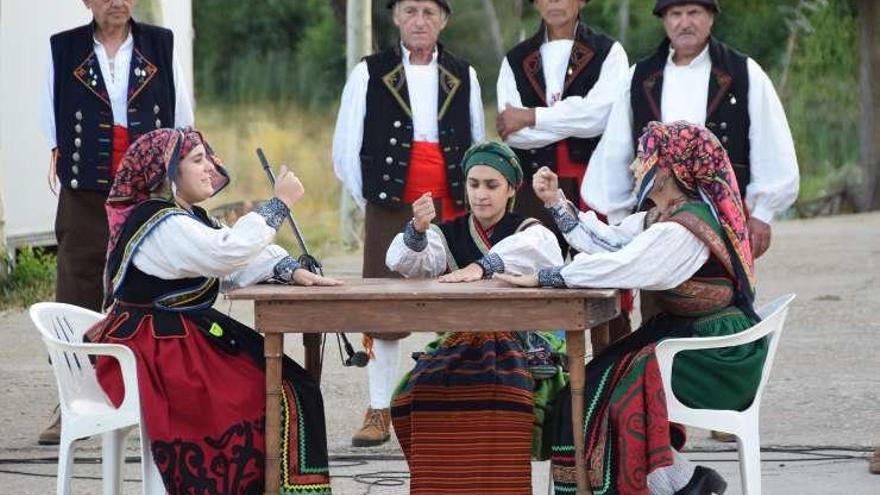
[(407, 116), (694, 77)]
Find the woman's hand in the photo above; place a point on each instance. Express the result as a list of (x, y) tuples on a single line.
[(518, 280), (423, 212), (288, 187), (546, 186), (470, 273), (304, 277)]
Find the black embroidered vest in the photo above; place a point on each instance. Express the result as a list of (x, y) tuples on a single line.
[(83, 114), (584, 67), (388, 125), (129, 284), (464, 244), (727, 108)]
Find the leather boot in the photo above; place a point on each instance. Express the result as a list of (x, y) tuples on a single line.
[(52, 434), (874, 465), (376, 429), (705, 481)]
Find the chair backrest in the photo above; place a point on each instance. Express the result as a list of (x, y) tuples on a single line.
[(773, 316), (61, 326)]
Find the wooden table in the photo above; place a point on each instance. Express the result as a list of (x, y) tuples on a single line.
[(389, 305)]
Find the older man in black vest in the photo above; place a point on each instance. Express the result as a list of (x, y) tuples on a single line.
[(108, 82), (694, 77), (406, 118), (555, 92)]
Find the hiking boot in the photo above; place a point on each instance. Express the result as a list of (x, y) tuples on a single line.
[(376, 429), (52, 434)]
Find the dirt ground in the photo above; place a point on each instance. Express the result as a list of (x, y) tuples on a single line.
[(824, 392)]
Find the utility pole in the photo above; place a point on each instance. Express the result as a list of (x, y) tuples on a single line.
[(359, 43)]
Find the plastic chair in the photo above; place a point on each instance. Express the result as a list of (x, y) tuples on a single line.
[(743, 424), (85, 409)]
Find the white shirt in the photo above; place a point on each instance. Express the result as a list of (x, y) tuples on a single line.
[(625, 256), (422, 83), (181, 246), (574, 116), (775, 179), (115, 72), (522, 253)]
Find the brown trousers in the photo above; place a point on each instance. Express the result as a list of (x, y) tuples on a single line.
[(81, 232), (381, 224)]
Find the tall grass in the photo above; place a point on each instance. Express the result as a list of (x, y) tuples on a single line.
[(300, 139), (32, 279)]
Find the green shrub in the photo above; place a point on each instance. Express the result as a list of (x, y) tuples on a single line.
[(31, 280)]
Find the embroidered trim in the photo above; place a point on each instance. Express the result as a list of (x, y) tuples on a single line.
[(725, 81), (284, 269), (491, 263), (451, 264), (551, 277), (274, 211), (648, 88), (134, 243), (415, 240), (449, 84), (533, 68), (580, 58), (481, 242), (147, 71), (395, 81), (562, 216), (528, 222)]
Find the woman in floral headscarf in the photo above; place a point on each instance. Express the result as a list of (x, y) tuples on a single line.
[(201, 373), (692, 247)]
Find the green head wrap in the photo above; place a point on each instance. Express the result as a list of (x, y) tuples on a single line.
[(498, 156)]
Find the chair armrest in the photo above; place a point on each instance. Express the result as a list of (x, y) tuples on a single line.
[(121, 353)]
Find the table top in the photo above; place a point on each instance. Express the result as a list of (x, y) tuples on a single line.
[(411, 289)]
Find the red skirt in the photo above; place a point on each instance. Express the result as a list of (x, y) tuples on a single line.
[(203, 403)]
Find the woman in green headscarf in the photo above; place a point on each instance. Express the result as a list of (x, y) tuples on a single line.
[(464, 415)]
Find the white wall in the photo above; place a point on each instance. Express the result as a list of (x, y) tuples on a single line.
[(25, 27), (29, 207)]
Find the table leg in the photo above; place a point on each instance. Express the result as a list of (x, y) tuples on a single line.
[(273, 350), (312, 344), (575, 343)]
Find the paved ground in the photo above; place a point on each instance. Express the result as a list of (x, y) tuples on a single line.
[(820, 416)]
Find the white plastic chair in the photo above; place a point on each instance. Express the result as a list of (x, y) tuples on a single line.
[(743, 424), (85, 409)]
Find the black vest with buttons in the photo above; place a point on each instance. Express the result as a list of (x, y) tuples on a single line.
[(727, 110), (388, 125), (83, 114), (588, 53)]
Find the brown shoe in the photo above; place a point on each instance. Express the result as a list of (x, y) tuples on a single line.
[(52, 434), (874, 463), (376, 429), (720, 436)]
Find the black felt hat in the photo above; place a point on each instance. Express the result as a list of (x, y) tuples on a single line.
[(442, 3), (662, 5)]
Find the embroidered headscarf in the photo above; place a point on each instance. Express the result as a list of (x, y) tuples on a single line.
[(498, 156), (149, 166), (702, 168)]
